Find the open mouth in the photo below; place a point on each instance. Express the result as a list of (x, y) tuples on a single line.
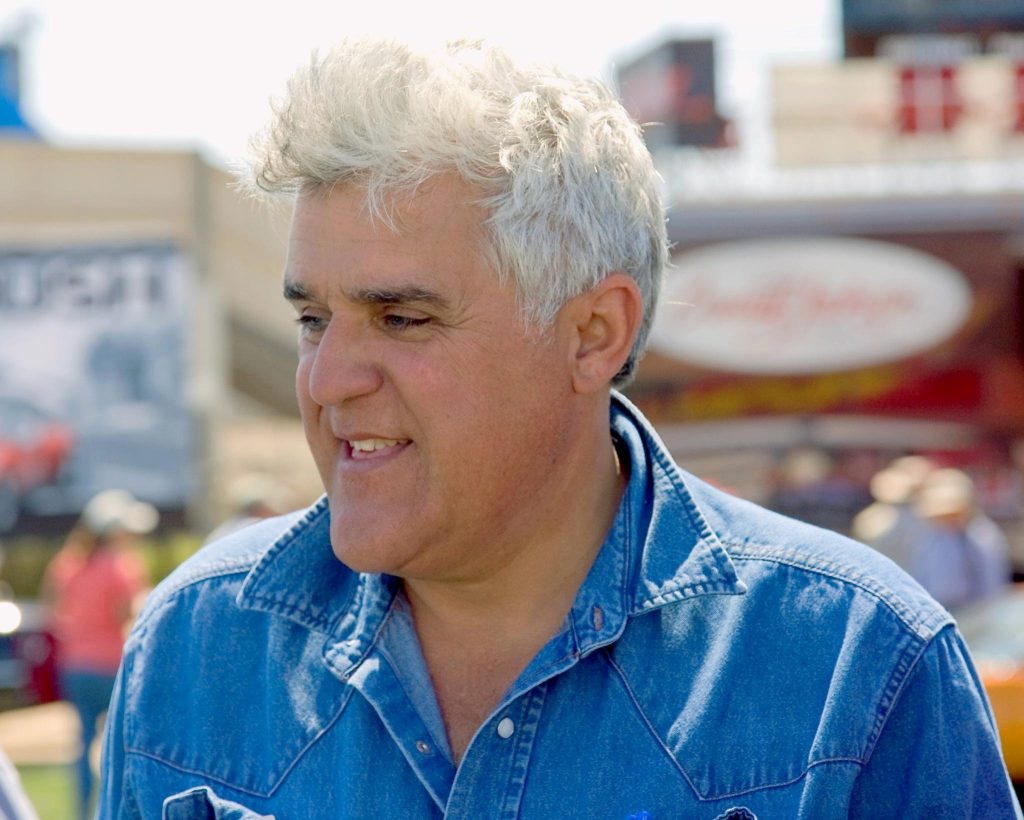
[(367, 449)]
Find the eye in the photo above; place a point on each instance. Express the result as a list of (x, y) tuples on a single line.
[(310, 324), (398, 321)]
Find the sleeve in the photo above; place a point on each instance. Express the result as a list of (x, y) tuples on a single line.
[(938, 753), (116, 800)]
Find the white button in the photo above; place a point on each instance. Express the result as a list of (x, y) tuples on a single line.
[(505, 728), (422, 747)]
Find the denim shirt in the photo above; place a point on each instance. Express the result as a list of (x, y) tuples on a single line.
[(719, 662)]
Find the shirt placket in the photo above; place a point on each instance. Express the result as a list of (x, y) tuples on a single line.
[(492, 776), (374, 679)]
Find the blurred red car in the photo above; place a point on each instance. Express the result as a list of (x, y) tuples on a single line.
[(35, 449)]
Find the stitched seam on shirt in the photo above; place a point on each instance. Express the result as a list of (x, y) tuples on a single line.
[(787, 783), (320, 624), (674, 589), (699, 523), (259, 567), (412, 707), (686, 592), (334, 653), (286, 540), (647, 723), (657, 450), (705, 535), (154, 605), (924, 629), (894, 691), (519, 770), (129, 802), (627, 558), (131, 750), (198, 772), (708, 798)]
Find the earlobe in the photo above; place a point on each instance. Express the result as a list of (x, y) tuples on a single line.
[(607, 319)]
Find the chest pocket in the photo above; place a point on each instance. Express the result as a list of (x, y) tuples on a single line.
[(202, 804)]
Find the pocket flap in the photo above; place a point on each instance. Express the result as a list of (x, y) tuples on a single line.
[(202, 804)]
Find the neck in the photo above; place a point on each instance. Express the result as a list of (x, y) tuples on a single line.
[(523, 597), (479, 631)]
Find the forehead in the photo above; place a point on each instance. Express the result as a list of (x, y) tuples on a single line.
[(441, 222)]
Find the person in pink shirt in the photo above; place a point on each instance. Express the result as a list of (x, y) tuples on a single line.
[(93, 584)]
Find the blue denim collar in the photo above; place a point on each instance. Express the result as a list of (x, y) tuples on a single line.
[(648, 560)]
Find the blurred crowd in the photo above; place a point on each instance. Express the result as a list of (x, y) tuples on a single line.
[(928, 520), (932, 519), (94, 588)]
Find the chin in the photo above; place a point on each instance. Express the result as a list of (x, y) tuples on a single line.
[(362, 554)]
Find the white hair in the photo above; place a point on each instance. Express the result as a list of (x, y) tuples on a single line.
[(570, 189)]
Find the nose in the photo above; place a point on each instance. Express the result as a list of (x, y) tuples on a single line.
[(342, 367)]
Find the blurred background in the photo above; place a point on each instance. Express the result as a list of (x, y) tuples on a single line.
[(845, 181)]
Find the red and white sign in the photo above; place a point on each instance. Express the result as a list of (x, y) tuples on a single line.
[(802, 306)]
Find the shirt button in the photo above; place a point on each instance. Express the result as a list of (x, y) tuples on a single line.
[(598, 618), (505, 728), (422, 747)]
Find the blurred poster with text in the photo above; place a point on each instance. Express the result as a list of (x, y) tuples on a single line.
[(92, 377)]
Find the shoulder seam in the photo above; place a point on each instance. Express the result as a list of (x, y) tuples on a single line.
[(895, 691), (161, 597), (924, 628)]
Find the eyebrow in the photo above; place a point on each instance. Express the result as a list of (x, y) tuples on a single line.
[(294, 292), (398, 295)]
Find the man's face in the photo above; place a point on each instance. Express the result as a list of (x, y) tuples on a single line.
[(433, 416)]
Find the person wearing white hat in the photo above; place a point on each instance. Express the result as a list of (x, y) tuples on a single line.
[(962, 557), (94, 583), (891, 524)]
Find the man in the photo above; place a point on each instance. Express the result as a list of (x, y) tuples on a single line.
[(960, 556), (510, 602)]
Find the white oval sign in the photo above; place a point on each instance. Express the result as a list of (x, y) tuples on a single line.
[(798, 306)]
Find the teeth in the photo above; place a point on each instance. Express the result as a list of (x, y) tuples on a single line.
[(368, 445)]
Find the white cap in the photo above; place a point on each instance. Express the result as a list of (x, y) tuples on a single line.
[(946, 492), (119, 511), (900, 481)]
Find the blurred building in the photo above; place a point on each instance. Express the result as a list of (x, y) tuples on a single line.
[(140, 318), (863, 295), (860, 298), (670, 90)]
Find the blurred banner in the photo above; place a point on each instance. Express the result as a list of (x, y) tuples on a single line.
[(914, 327), (790, 361), (92, 377)]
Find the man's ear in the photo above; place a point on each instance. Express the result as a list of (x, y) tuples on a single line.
[(606, 320)]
